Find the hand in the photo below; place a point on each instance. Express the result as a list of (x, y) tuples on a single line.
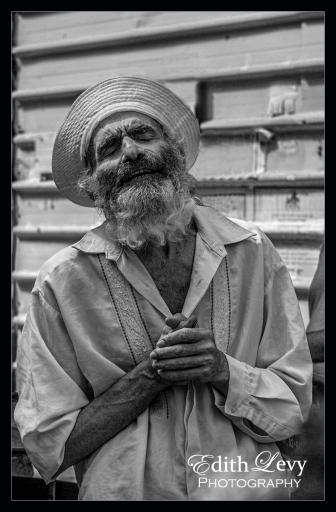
[(176, 322), (190, 354)]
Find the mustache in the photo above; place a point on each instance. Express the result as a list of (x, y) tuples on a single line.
[(145, 162), (106, 183), (111, 181)]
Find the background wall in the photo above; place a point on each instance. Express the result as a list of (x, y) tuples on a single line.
[(253, 78)]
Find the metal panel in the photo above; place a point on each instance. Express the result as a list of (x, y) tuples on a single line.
[(267, 96), (176, 59), (238, 70)]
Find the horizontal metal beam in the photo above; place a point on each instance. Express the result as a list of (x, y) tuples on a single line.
[(312, 229), (28, 138), (24, 276), (34, 187), (295, 122), (165, 33), (18, 451), (302, 287), (250, 180), (19, 320), (225, 74), (218, 184), (51, 232), (284, 229)]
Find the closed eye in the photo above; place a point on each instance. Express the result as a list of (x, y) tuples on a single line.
[(112, 143), (109, 146)]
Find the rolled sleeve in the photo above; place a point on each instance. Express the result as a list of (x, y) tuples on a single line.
[(275, 395), (244, 401), (50, 399)]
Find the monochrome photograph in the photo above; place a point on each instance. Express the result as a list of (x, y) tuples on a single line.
[(167, 326)]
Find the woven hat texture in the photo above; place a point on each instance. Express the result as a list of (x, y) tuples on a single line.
[(102, 100)]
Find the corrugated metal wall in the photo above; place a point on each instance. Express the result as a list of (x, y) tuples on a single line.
[(253, 78)]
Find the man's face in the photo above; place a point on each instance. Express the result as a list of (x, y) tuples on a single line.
[(132, 147), (138, 178)]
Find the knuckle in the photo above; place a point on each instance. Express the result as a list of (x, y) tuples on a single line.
[(209, 348), (180, 363), (209, 360), (212, 347), (180, 350), (207, 371)]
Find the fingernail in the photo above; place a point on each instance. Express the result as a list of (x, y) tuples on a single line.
[(161, 342), (153, 355)]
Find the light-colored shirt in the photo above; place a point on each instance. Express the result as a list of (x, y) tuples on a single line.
[(96, 312)]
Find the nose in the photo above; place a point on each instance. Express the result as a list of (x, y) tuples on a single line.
[(130, 149)]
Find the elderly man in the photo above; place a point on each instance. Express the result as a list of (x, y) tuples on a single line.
[(167, 338)]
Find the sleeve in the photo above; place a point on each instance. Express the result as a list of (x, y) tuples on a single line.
[(50, 385), (275, 395)]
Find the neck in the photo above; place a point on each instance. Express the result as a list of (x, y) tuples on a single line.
[(170, 250)]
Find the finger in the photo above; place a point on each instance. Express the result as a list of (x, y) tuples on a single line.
[(189, 322), (173, 321), (181, 375), (166, 329), (185, 335), (179, 321), (180, 363), (185, 349)]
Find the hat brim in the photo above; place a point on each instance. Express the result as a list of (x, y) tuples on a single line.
[(116, 95)]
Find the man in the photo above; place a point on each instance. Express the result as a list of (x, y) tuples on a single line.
[(167, 334)]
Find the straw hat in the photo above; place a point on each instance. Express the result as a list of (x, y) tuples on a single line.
[(100, 101)]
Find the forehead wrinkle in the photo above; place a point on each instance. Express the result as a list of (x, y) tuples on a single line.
[(138, 123), (135, 124)]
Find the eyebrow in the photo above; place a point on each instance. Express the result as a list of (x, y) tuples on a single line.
[(140, 124)]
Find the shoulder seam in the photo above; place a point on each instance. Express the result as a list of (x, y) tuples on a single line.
[(39, 292)]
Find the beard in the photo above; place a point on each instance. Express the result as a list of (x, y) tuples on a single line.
[(146, 200)]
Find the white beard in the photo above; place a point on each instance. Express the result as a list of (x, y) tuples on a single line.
[(149, 211)]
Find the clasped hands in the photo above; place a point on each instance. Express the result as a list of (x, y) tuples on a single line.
[(185, 352)]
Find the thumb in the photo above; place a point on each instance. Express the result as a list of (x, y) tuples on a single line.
[(189, 322), (174, 320)]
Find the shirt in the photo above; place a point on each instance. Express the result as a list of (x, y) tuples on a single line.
[(96, 312)]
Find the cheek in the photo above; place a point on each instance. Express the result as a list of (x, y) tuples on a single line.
[(106, 173)]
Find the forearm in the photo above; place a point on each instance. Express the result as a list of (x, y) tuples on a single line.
[(110, 412)]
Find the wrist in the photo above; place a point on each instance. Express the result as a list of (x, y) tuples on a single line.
[(151, 375)]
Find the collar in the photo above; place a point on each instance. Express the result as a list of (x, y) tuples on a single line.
[(97, 241), (214, 228)]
